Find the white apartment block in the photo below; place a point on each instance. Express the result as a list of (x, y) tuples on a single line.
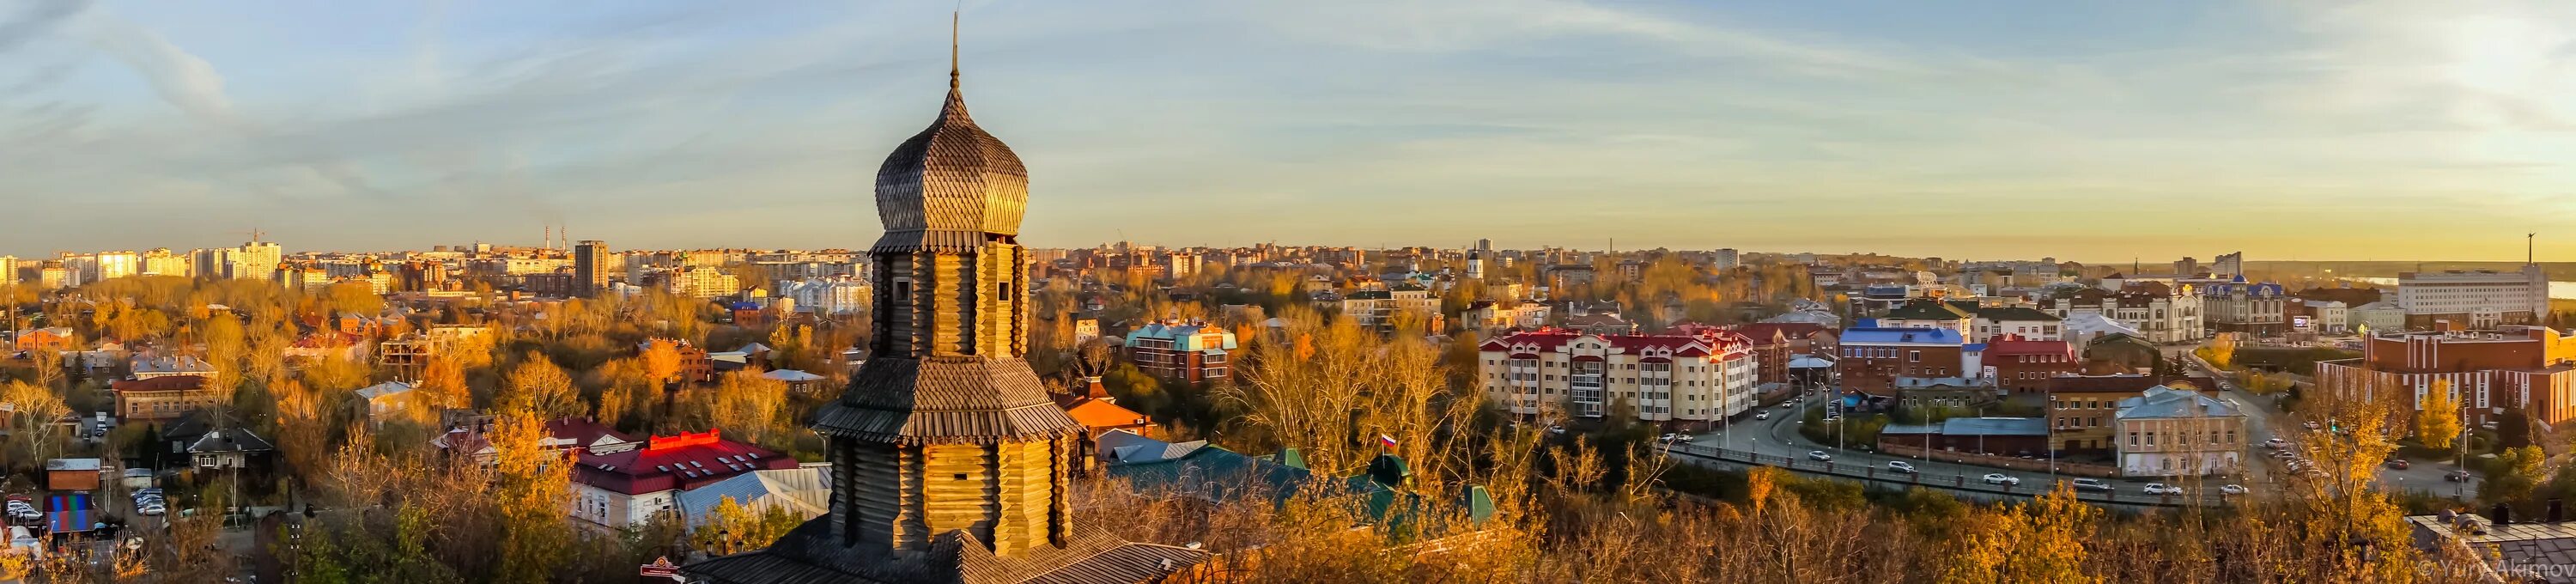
[(8, 269), (1377, 308), (826, 296), (1664, 378)]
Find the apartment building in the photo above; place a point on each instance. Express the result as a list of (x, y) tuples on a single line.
[(1376, 309), (1687, 379), (1188, 352), (2026, 365)]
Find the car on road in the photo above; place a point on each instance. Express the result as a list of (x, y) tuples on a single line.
[(2276, 444), (1900, 466), (1556, 429), (1761, 415), (2312, 425), (2090, 484), (2231, 489), (1675, 437), (1818, 455), (2399, 463), (1996, 478), (1788, 404), (2457, 476), (2163, 489)]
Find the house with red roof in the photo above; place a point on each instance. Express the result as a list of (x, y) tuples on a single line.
[(625, 488), (1674, 379)]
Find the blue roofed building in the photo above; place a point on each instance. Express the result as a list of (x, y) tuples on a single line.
[(1873, 358)]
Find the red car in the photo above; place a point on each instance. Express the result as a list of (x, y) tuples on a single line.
[(2398, 463)]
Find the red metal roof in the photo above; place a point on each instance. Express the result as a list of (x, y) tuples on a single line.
[(675, 462), (2015, 345)]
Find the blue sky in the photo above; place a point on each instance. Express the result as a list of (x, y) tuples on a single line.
[(2098, 131)]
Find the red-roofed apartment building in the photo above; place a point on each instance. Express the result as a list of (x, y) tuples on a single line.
[(1665, 378), (626, 488), (2024, 366), (160, 398)]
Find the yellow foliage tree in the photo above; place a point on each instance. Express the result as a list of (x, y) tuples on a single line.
[(2437, 423)]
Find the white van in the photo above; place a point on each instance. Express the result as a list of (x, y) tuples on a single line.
[(20, 537)]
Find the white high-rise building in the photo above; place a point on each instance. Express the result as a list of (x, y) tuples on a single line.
[(1728, 259), (8, 269)]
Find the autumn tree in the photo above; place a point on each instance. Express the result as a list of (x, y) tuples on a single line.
[(35, 438), (536, 385), (2437, 422), (752, 407), (532, 487), (731, 527)]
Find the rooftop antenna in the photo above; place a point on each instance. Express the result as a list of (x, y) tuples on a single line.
[(2530, 254)]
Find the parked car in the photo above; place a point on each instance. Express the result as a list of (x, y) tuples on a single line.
[(1761, 415), (1788, 404), (152, 508), (2312, 425), (2457, 476), (1900, 466), (2090, 484), (1556, 429), (2231, 489), (1818, 455), (1669, 438), (1996, 478), (2276, 444), (2163, 489), (2398, 463)]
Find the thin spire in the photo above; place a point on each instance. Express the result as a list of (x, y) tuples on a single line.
[(952, 50)]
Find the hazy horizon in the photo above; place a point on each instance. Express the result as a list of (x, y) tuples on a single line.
[(1981, 130)]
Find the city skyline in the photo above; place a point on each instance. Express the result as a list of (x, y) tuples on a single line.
[(2102, 132)]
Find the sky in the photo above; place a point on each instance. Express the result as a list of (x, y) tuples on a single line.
[(2097, 131)]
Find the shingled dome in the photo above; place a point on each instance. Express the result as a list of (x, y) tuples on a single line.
[(951, 185)]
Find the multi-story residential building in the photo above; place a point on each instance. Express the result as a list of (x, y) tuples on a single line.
[(1189, 352), (2228, 265), (2019, 321), (161, 262), (2025, 366), (704, 282), (826, 296), (1691, 379), (1725, 258), (2161, 313), (590, 268), (2258, 309), (2488, 371), (161, 398), (628, 487), (1492, 317), (2178, 432), (58, 338), (1873, 358), (8, 270), (51, 275), (1377, 308), (2473, 300), (1775, 344)]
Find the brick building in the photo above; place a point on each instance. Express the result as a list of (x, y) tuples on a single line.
[(2024, 366), (1189, 352), (161, 398), (1775, 343), (1872, 358), (2488, 371)]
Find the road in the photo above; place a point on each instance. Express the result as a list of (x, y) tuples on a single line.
[(1779, 437), (2265, 422)]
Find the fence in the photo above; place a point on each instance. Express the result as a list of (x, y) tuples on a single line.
[(2007, 462), (1959, 482)]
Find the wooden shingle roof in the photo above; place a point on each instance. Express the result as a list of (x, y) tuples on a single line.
[(945, 400)]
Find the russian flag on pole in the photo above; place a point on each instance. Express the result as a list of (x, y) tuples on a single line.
[(1388, 441)]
